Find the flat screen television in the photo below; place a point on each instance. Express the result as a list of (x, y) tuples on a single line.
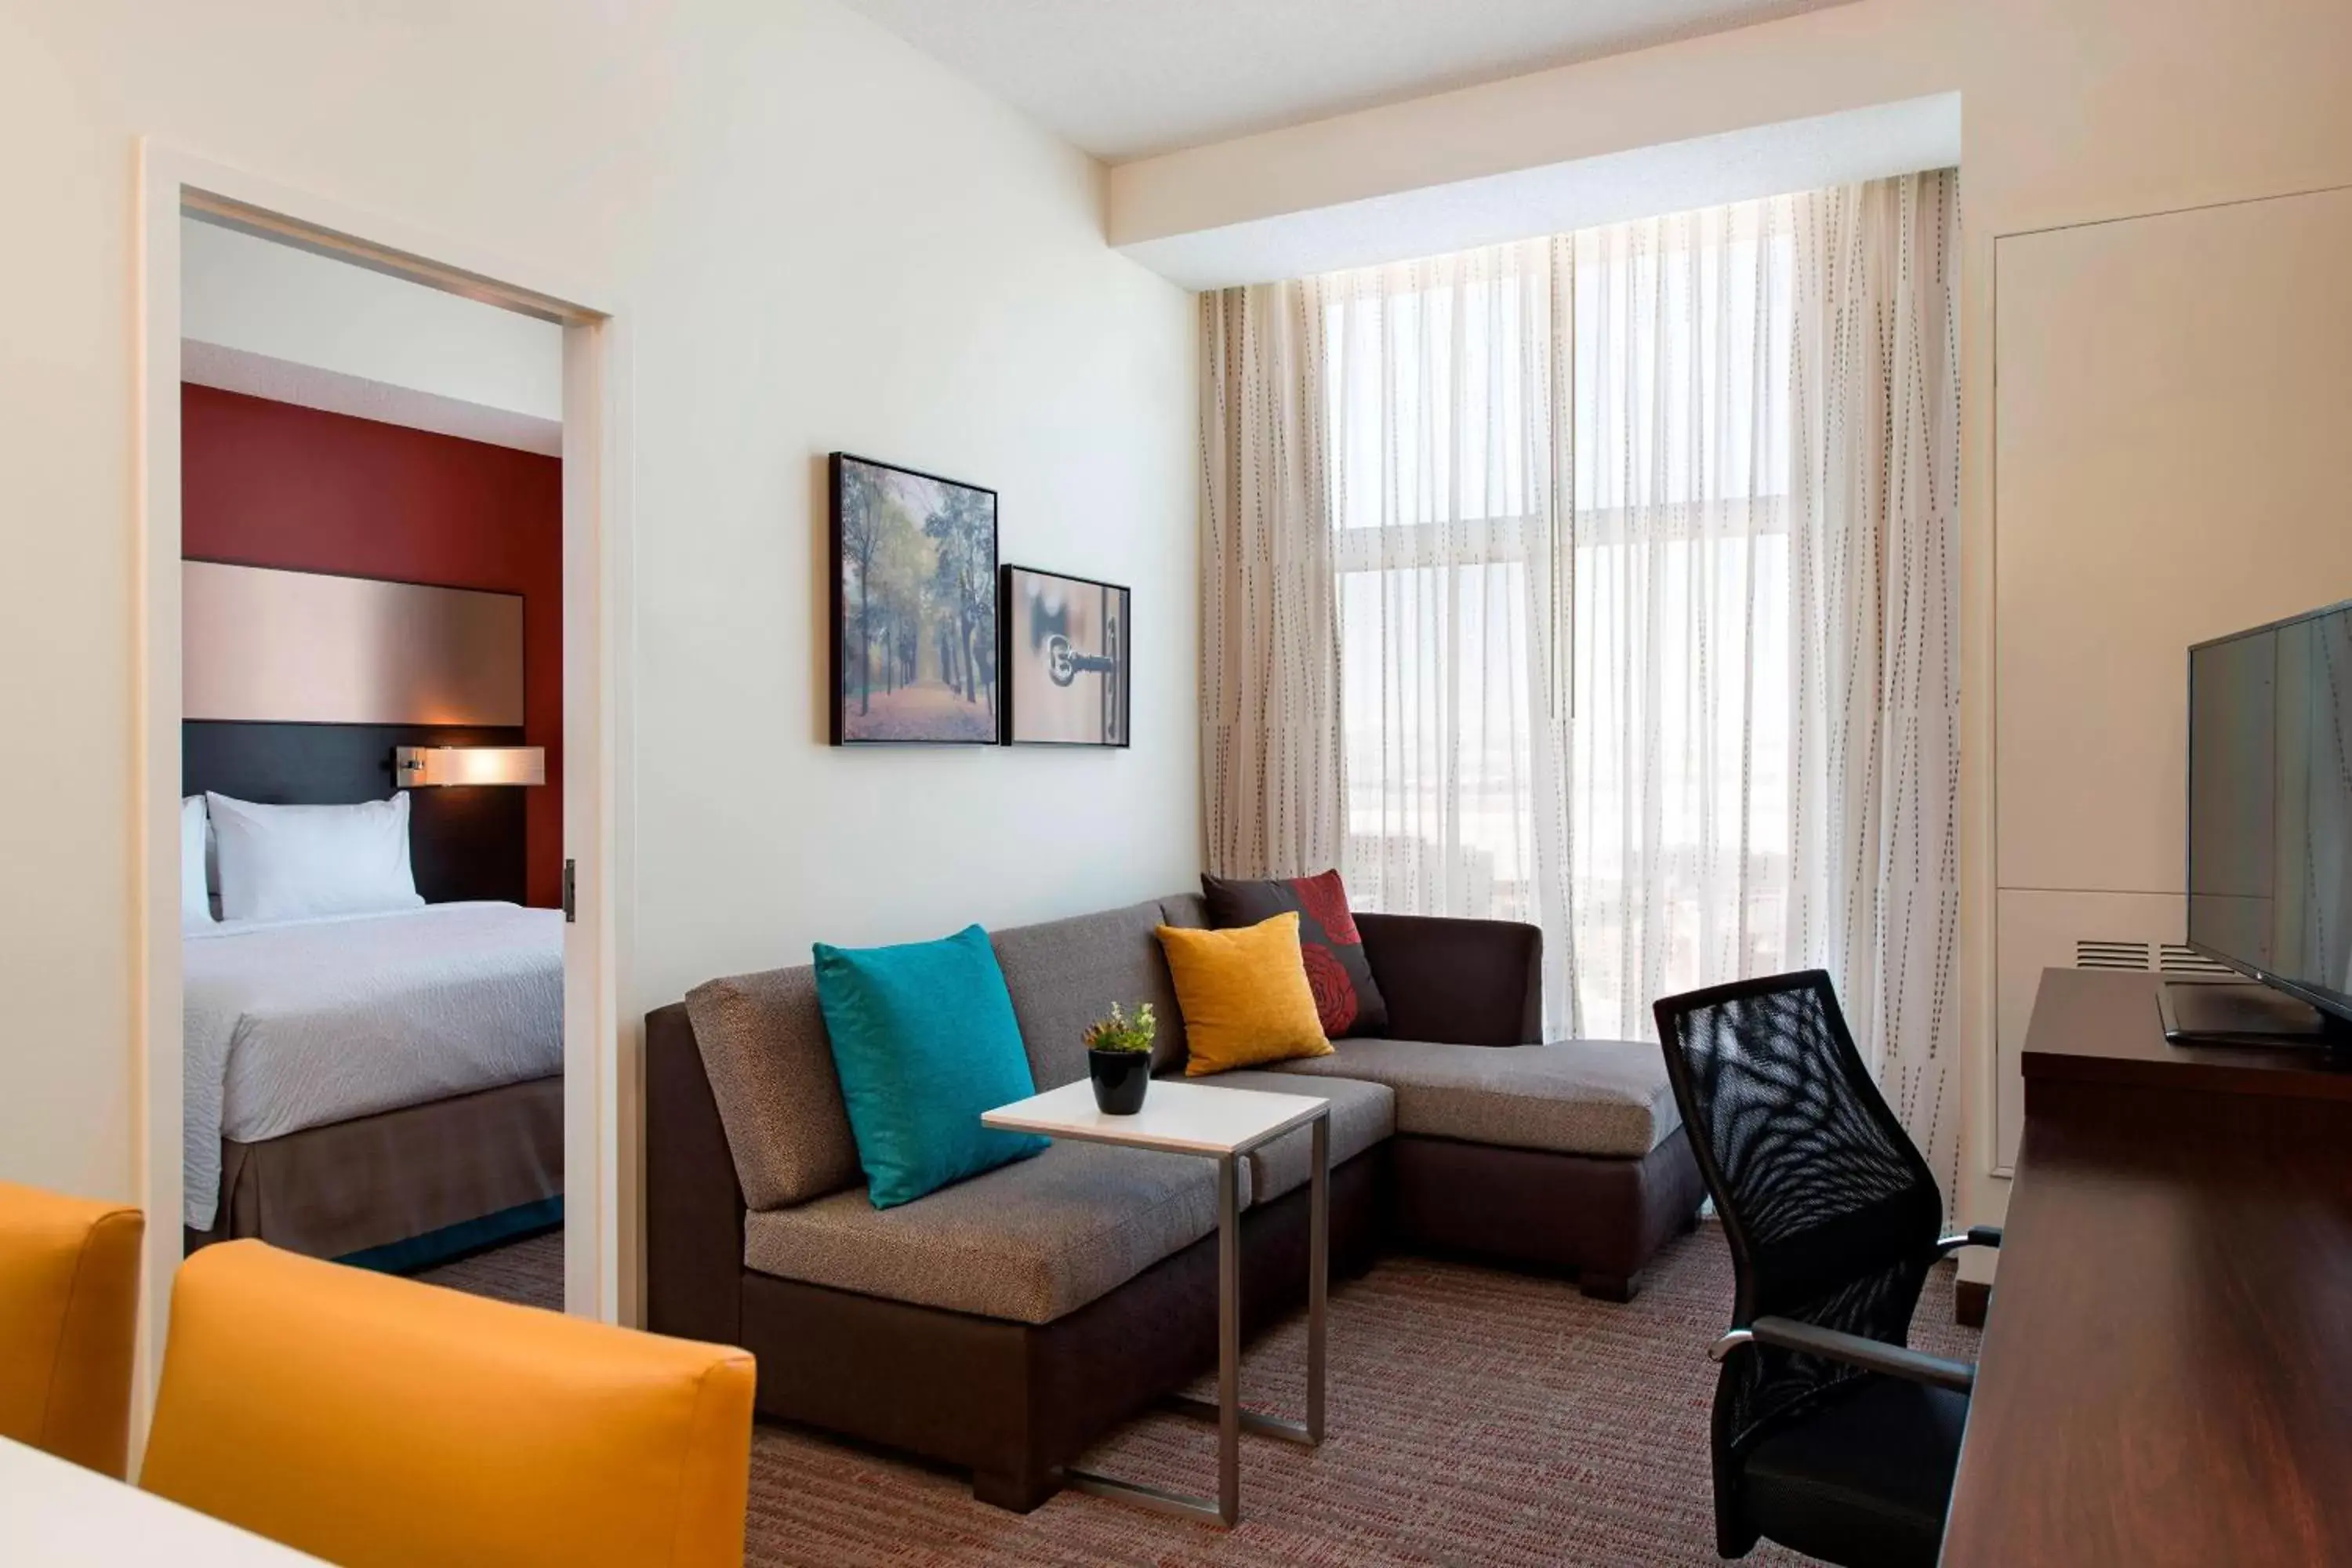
[(2270, 831)]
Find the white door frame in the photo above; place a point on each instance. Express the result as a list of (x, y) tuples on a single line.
[(596, 714)]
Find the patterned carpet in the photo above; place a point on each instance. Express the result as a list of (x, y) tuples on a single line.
[(529, 1273), (1476, 1417)]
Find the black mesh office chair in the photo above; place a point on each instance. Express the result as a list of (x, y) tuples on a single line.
[(1829, 1435)]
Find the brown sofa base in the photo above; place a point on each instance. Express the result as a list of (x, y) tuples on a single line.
[(1600, 1220), (1014, 1403)]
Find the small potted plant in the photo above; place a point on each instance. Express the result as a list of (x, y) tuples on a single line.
[(1118, 1058)]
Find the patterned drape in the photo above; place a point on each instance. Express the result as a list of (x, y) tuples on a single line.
[(1874, 508), (1271, 790)]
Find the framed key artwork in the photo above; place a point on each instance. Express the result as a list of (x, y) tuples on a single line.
[(1065, 659)]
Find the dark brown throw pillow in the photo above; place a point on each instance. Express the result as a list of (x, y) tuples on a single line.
[(1344, 997)]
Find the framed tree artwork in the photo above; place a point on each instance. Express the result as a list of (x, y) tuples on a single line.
[(1066, 660), (914, 608)]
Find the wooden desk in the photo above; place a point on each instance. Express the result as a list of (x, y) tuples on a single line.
[(2167, 1371)]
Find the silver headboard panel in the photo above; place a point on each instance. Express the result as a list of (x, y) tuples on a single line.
[(259, 645)]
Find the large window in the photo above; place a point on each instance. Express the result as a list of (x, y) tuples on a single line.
[(1560, 474), (1609, 582)]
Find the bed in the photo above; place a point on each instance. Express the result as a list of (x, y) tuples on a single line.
[(381, 1087), (374, 1020)]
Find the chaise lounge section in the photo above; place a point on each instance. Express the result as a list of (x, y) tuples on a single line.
[(1006, 1324)]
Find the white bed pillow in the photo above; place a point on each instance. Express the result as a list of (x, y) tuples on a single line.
[(195, 901), (297, 862)]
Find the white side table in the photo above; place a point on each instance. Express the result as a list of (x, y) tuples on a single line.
[(1222, 1124), (53, 1514)]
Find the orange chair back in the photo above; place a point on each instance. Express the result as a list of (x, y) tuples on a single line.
[(68, 1321), (371, 1420)]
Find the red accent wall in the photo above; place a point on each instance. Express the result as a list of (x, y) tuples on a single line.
[(270, 484)]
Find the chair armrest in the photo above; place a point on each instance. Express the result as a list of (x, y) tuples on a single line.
[(1975, 1236), (1457, 982), (1854, 1350)]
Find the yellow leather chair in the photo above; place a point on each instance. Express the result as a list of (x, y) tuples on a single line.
[(370, 1420), (69, 1319)]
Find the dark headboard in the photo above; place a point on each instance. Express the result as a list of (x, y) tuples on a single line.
[(465, 841)]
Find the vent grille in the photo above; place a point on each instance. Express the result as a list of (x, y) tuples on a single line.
[(2167, 958)]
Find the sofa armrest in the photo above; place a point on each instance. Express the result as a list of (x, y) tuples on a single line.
[(694, 1203), (1458, 982)]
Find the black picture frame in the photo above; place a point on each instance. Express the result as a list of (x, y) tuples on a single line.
[(1119, 710), (976, 716)]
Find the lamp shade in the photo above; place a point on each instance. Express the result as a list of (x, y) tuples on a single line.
[(416, 766)]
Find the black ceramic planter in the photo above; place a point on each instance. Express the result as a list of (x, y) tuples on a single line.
[(1121, 1079)]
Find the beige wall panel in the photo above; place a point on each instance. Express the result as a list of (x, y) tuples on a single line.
[(2173, 419), (259, 645)]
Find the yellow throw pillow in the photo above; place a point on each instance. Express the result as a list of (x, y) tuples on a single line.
[(1244, 996)]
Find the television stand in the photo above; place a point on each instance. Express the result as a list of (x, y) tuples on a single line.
[(2244, 1012)]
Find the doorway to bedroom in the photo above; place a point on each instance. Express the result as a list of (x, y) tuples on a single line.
[(372, 766), (380, 522)]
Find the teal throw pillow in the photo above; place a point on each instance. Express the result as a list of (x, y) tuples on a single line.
[(924, 1039)]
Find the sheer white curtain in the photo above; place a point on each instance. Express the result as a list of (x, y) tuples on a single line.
[(1446, 396), (1560, 480), (1641, 540), (1679, 800)]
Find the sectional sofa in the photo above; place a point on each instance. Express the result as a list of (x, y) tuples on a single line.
[(1006, 1324)]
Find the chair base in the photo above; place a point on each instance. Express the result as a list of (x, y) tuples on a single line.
[(1864, 1480)]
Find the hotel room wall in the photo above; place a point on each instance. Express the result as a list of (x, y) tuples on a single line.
[(2074, 111), (269, 484), (821, 239)]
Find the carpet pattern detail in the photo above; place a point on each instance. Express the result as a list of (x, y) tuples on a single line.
[(1476, 1417), (530, 1272)]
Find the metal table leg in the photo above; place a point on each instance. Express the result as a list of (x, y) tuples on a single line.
[(1227, 1412), (1229, 1339), (1308, 1431), (1318, 1273)]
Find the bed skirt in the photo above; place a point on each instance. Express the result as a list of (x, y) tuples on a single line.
[(376, 1181)]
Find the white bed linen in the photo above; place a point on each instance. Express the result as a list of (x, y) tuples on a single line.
[(302, 862), (296, 1024)]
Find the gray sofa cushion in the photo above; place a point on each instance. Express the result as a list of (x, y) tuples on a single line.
[(1575, 1097), (1362, 1114), (1063, 974), (1031, 1242), (1190, 910), (763, 1045), (771, 1068)]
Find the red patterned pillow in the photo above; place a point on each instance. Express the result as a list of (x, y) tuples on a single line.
[(1344, 997)]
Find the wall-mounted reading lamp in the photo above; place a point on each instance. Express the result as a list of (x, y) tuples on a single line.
[(416, 766)]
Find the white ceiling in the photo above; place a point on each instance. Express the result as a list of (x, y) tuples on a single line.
[(1128, 78), (1739, 165)]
